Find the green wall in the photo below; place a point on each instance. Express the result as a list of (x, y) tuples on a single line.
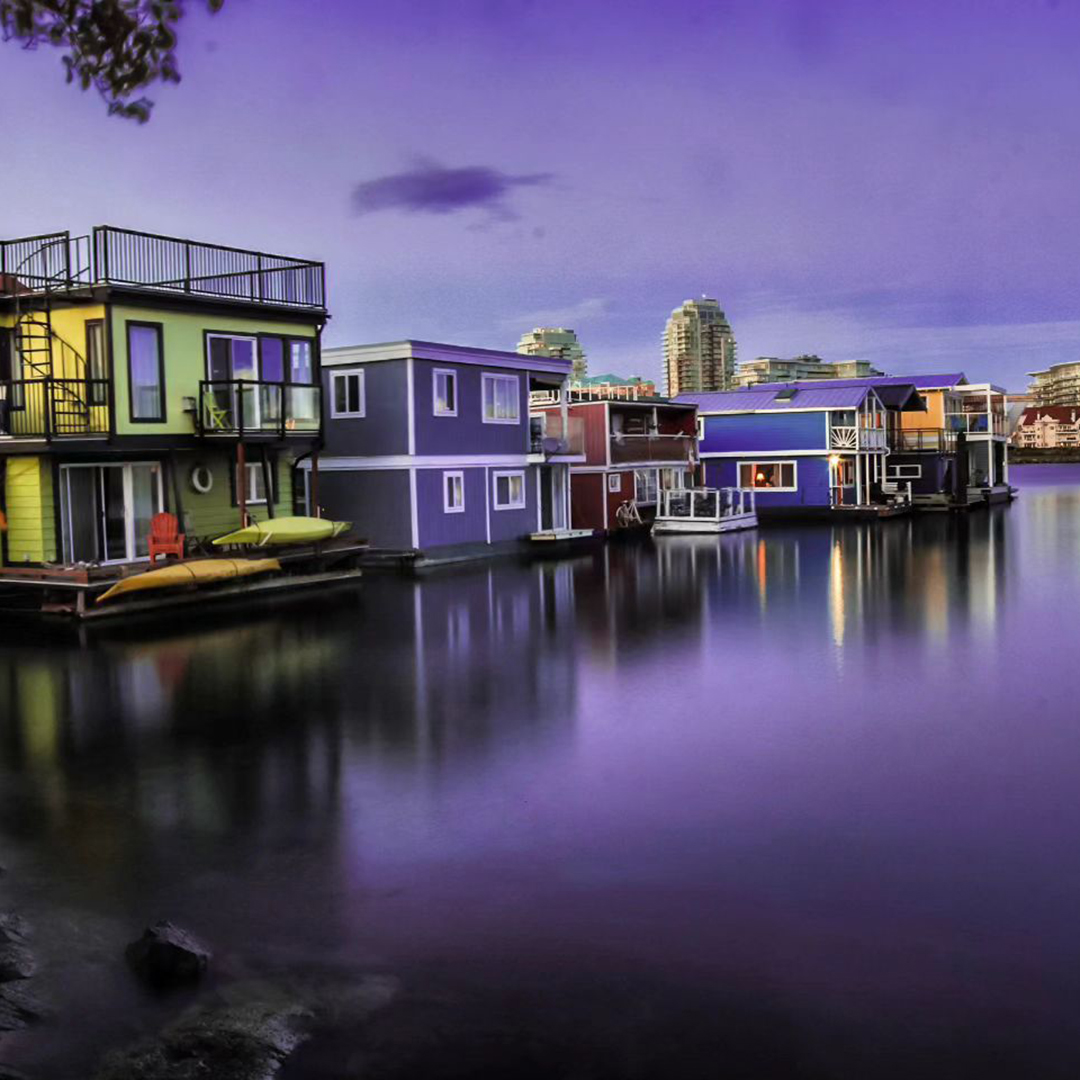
[(28, 494), (185, 359)]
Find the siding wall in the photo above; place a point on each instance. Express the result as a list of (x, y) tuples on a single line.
[(376, 501), (812, 477), (513, 524), (765, 432), (31, 516), (587, 500), (467, 433), (438, 527), (385, 427)]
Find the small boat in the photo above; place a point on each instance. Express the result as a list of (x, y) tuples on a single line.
[(198, 572), (275, 532), (704, 510)]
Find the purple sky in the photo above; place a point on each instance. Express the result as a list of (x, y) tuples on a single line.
[(894, 181)]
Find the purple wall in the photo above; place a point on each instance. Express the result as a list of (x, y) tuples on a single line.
[(466, 433), (385, 427), (765, 431), (812, 477), (375, 501), (511, 524), (438, 527)]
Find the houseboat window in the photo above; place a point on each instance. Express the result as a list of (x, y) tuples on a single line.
[(445, 391), (845, 472), (96, 373), (347, 398), (300, 370), (272, 359), (453, 492), (614, 481), (905, 472), (146, 372), (672, 479), (509, 490), (501, 399), (254, 483), (645, 486), (772, 475)]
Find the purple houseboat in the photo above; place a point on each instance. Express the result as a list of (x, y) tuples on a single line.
[(430, 448)]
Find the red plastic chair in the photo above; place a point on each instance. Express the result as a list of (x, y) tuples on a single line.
[(165, 537)]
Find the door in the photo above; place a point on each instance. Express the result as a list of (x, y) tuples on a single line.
[(233, 365), (105, 510), (547, 498)]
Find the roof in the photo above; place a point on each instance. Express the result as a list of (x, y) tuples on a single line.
[(1063, 414), (442, 353), (920, 382), (756, 399)]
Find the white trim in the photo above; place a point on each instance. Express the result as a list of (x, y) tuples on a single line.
[(414, 515), (604, 501), (249, 487), (347, 373), (442, 354), (453, 474), (893, 472), (411, 396), (420, 461), (495, 477), (487, 506), (614, 476), (763, 454), (607, 438), (490, 377), (752, 461), (435, 410)]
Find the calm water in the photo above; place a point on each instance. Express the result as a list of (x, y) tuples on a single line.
[(803, 803)]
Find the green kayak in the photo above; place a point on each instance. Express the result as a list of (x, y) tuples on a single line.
[(285, 530)]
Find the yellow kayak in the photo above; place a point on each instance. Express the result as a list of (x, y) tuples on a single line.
[(285, 530), (201, 572)]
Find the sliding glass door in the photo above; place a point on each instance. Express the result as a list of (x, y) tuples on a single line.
[(105, 510)]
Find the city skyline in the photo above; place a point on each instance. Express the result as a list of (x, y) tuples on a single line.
[(897, 190)]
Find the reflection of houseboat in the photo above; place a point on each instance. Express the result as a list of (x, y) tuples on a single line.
[(635, 448), (705, 510)]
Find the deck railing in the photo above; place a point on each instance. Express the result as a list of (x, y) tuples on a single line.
[(705, 504), (171, 264), (923, 441), (633, 448), (251, 407), (50, 408), (978, 423)]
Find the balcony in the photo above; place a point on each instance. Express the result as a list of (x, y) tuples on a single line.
[(978, 423), (850, 437), (626, 449), (922, 441), (550, 438), (49, 408), (246, 407)]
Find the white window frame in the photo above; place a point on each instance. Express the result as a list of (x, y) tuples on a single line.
[(491, 379), (448, 506), (894, 473), (495, 476), (453, 376), (755, 462), (654, 484), (614, 483), (254, 477), (348, 414)]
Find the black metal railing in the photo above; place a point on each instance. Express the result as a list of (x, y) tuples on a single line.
[(252, 407), (45, 263), (50, 408), (149, 261)]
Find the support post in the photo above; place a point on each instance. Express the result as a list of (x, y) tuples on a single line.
[(174, 483), (241, 484), (268, 482), (315, 509)]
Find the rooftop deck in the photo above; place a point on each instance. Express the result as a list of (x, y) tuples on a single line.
[(57, 262)]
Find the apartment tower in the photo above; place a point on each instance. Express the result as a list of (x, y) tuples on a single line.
[(699, 349), (559, 342)]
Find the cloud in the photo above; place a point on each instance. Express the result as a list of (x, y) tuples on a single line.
[(583, 310), (431, 189)]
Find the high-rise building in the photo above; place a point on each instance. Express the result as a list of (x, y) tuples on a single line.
[(770, 369), (1058, 384), (556, 341), (699, 349)]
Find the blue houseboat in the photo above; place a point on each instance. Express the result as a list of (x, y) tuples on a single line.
[(431, 452), (806, 448)]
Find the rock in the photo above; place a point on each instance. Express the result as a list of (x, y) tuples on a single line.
[(236, 1042), (16, 962), (166, 955), (13, 928), (19, 1007)]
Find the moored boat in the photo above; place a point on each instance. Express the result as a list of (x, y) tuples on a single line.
[(704, 510), (275, 532), (197, 572)]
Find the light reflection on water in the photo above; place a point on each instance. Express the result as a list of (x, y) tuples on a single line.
[(812, 787)]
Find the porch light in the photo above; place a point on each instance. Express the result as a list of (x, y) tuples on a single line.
[(834, 460)]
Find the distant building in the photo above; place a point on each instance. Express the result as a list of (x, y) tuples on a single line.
[(770, 369), (1058, 384), (699, 349), (617, 386), (559, 342), (1044, 427)]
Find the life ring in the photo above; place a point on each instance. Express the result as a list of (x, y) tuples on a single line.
[(202, 479)]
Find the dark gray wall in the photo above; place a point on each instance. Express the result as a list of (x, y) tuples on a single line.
[(385, 428), (376, 501)]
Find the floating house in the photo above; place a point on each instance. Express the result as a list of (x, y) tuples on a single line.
[(635, 447), (805, 448), (431, 449), (142, 373)]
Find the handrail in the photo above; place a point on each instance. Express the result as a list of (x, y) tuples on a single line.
[(258, 407)]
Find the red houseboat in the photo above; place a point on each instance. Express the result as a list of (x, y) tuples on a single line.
[(635, 447)]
